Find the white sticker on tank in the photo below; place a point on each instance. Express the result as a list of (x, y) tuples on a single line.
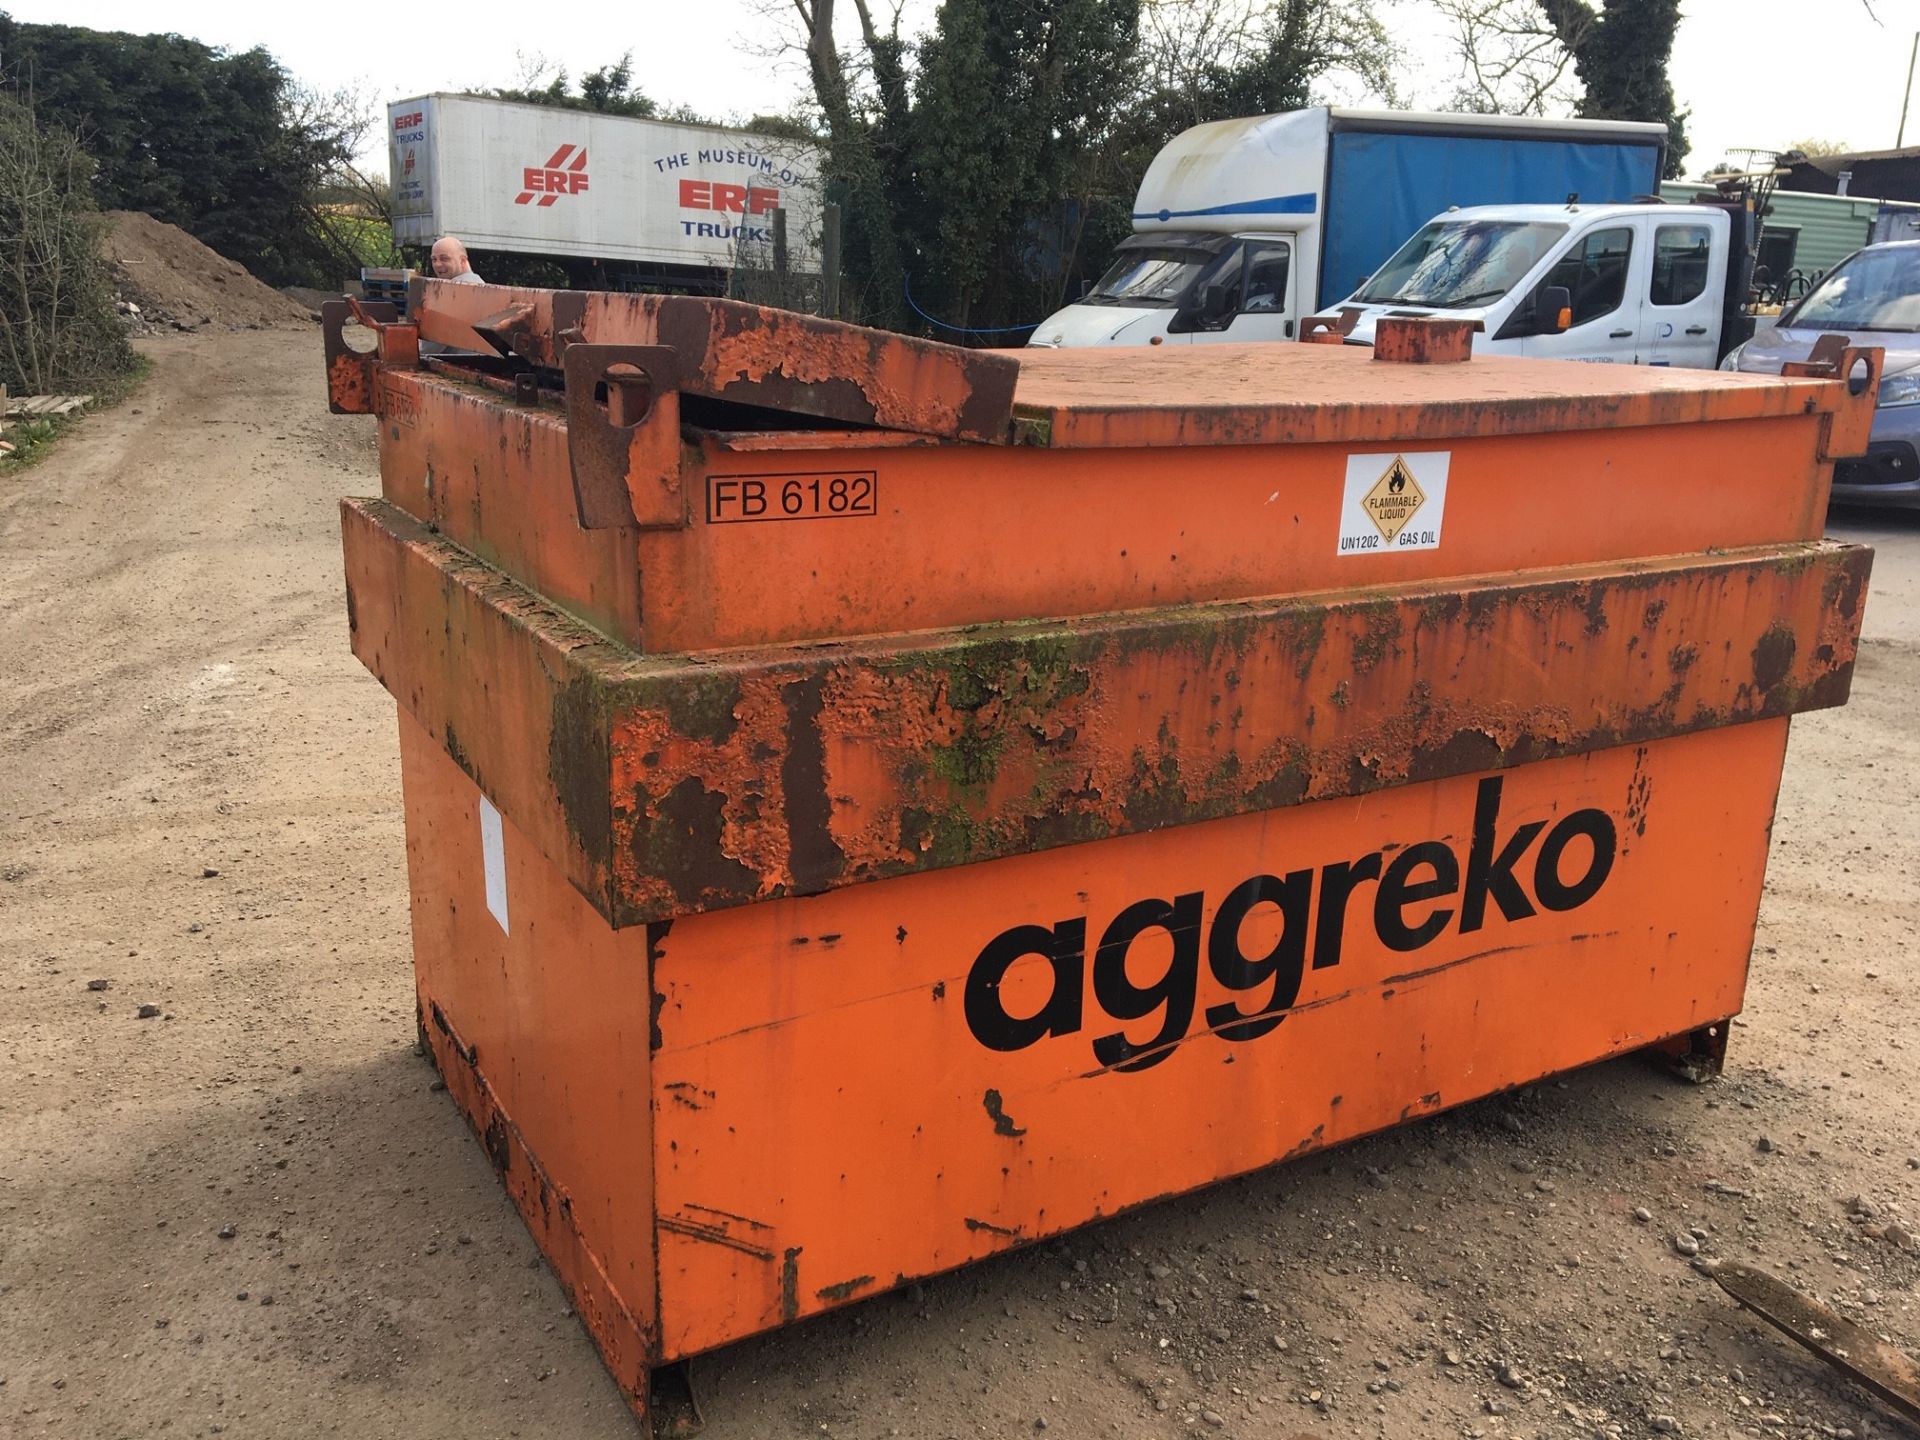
[(493, 854), (1393, 501)]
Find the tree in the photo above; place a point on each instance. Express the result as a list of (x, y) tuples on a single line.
[(223, 145), (1012, 100), (58, 330), (1621, 55), (1513, 61), (1515, 55), (1814, 148), (1221, 58), (607, 90), (995, 158)]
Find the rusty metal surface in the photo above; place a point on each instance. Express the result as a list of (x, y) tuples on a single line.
[(625, 455), (1330, 329), (1260, 394), (673, 785), (1424, 339), (1696, 1057), (871, 1011), (1888, 1372), (517, 1068), (750, 355), (1846, 432), (623, 1339), (493, 478), (351, 374)]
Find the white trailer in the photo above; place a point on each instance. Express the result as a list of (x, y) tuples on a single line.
[(669, 201)]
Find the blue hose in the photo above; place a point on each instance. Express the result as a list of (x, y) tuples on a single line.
[(906, 289)]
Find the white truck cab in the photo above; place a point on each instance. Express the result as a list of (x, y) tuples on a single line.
[(1623, 284), (1161, 285)]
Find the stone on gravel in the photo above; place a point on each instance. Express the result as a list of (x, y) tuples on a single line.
[(1686, 1244)]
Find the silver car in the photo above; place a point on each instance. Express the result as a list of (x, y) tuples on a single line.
[(1873, 298)]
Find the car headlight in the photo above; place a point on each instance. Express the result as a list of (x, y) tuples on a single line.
[(1732, 362), (1899, 390)]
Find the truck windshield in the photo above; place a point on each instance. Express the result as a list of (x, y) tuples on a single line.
[(1451, 264), (1157, 277), (1871, 290)]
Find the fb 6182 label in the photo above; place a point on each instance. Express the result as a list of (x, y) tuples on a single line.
[(835, 495)]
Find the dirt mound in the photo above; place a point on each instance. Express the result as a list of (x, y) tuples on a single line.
[(173, 277)]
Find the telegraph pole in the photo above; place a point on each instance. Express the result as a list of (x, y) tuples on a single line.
[(1907, 94)]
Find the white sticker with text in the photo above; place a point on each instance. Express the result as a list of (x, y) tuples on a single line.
[(1393, 502)]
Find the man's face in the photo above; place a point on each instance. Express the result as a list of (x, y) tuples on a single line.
[(449, 260)]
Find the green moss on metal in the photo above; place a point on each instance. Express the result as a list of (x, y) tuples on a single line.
[(580, 766), (1384, 627), (970, 761), (698, 704)]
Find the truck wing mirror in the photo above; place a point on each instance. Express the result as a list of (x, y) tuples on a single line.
[(1552, 310), (1213, 304)]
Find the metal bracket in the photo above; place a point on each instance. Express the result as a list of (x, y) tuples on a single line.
[(1695, 1057), (350, 372), (1845, 432), (510, 331), (353, 376), (625, 455), (1329, 329), (1424, 339), (673, 1405), (1822, 362)]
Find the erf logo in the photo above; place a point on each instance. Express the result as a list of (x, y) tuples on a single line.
[(735, 199), (559, 176), (407, 122), (1565, 876)]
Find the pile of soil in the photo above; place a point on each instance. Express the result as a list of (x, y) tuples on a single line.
[(173, 279)]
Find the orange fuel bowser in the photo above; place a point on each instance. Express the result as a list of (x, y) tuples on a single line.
[(871, 805)]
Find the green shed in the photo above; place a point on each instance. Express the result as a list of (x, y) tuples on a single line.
[(1807, 233)]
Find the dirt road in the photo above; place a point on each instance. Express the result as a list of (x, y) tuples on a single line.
[(254, 1215)]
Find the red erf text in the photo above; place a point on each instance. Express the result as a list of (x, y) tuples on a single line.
[(732, 199)]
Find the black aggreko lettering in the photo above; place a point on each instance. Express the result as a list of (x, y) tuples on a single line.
[(1406, 915)]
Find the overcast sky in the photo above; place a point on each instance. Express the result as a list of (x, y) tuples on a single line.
[(1755, 73)]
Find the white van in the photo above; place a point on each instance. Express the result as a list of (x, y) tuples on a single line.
[(1625, 284)]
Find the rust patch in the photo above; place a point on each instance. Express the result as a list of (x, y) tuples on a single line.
[(681, 849), (495, 1140), (1773, 657), (814, 857), (790, 1285), (580, 765), (987, 1227), (1002, 1122), (711, 1234), (1312, 1142), (834, 1294)]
